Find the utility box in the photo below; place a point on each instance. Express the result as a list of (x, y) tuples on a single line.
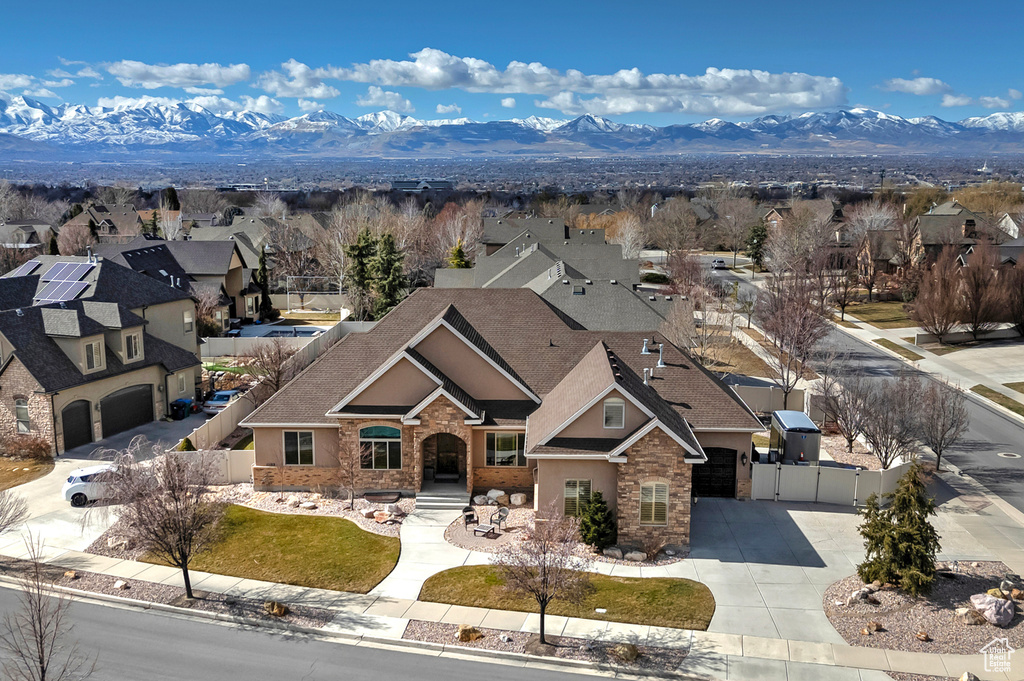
[(794, 438)]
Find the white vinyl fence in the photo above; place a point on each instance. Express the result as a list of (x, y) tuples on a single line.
[(231, 466), (821, 484), (220, 426), (764, 399)]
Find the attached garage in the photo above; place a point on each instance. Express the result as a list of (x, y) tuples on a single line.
[(717, 476), (76, 423), (126, 409)]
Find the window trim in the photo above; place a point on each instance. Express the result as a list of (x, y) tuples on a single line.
[(613, 401), (284, 448), (652, 522), (138, 343), (188, 319), (565, 497), (373, 440), (97, 356), (22, 403), (182, 384), (520, 449)]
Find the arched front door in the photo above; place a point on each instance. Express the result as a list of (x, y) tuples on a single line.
[(445, 455)]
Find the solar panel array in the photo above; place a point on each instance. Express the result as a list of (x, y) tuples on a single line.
[(67, 271), (25, 269), (59, 291)]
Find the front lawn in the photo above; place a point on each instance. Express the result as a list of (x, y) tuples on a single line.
[(14, 472), (888, 314), (658, 601), (898, 349), (999, 398), (319, 552)]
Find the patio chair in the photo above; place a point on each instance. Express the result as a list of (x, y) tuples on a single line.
[(469, 516), (500, 518)]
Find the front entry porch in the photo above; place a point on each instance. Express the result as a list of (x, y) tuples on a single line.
[(444, 459)]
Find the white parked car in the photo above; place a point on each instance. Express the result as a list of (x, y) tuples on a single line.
[(83, 486), (219, 400), (719, 264)]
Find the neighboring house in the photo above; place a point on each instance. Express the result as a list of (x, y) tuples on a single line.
[(89, 348), (113, 221), (216, 264), (420, 186), (498, 232), (493, 388), (189, 220), (25, 234), (879, 253), (950, 224), (167, 220)]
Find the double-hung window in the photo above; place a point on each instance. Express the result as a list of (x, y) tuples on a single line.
[(21, 414), (188, 320), (132, 346), (614, 413), (505, 449), (380, 448), (94, 355), (654, 504), (577, 494), (298, 448)]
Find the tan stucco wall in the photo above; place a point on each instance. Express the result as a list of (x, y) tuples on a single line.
[(166, 322), (403, 384), (739, 441), (269, 446), (468, 369), (552, 474), (591, 422)]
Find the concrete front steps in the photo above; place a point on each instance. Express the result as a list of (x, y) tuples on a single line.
[(446, 497)]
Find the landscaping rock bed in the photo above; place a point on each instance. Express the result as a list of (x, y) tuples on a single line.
[(835, 445), (902, 617), (650, 658)]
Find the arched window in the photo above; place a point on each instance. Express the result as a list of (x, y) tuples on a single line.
[(380, 448), (21, 414), (614, 413)]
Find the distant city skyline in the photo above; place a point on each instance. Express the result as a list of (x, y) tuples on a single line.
[(653, 62)]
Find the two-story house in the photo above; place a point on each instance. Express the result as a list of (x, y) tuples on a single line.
[(113, 222)]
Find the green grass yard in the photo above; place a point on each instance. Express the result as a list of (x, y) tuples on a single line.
[(882, 314), (313, 551), (999, 398), (657, 601), (898, 349)]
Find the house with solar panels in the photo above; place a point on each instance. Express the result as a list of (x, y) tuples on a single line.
[(90, 348)]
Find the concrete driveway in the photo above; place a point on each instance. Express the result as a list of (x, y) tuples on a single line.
[(768, 563), (52, 520)]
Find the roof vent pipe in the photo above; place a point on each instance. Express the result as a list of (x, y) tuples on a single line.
[(645, 351), (645, 375), (661, 357)]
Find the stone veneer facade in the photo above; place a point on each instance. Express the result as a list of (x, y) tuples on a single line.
[(655, 458), (18, 383)]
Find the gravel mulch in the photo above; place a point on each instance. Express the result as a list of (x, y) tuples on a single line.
[(520, 520), (902, 616), (651, 658), (835, 445)]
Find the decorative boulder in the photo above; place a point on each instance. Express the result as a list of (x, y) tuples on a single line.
[(480, 500), (1006, 586), (1017, 594), (969, 616), (967, 676), (495, 493), (393, 509), (275, 608), (308, 505), (121, 584), (627, 652), (997, 611), (117, 543), (858, 595), (360, 504), (613, 552), (381, 516), (469, 633), (518, 499), (367, 512), (71, 574), (293, 502), (636, 556), (502, 500), (996, 593)]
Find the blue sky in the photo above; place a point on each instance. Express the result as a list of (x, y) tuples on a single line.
[(653, 62)]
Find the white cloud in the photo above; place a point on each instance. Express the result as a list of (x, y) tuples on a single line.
[(151, 76), (509, 102), (298, 81), (994, 102), (449, 109), (63, 82), (917, 86), (203, 91), (11, 81), (89, 72), (41, 92), (392, 101), (956, 100), (1014, 94), (70, 62), (122, 102), (309, 105), (261, 104), (724, 91)]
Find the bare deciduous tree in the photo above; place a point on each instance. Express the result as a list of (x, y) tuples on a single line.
[(270, 205), (736, 215), (1013, 279), (843, 288), (983, 298), (170, 227), (943, 418), (208, 300), (844, 391), (891, 419), (870, 216), (269, 362), (34, 637), (545, 566), (701, 321), (74, 239), (937, 308), (202, 201), (629, 233), (163, 503)]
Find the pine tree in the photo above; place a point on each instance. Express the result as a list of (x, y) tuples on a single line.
[(388, 272), (457, 258), (93, 229), (186, 446), (359, 257), (597, 523), (263, 279), (900, 542), (53, 249), (154, 223), (171, 198), (755, 244)]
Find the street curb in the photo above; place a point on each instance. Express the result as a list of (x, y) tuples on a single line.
[(422, 647)]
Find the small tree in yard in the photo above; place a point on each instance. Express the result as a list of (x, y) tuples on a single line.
[(891, 418), (900, 542), (389, 282), (597, 523), (269, 362), (944, 418), (937, 308), (844, 393), (162, 499), (545, 565), (458, 259)]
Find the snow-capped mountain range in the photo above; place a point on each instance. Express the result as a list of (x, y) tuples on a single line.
[(31, 128)]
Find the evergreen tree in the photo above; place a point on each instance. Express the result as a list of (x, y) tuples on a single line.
[(186, 446), (358, 260), (53, 249), (597, 523), (388, 272), (457, 258), (755, 244), (266, 310), (900, 542), (154, 224), (171, 199), (93, 229), (75, 210)]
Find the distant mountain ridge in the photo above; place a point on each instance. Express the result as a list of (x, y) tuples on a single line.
[(32, 128)]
